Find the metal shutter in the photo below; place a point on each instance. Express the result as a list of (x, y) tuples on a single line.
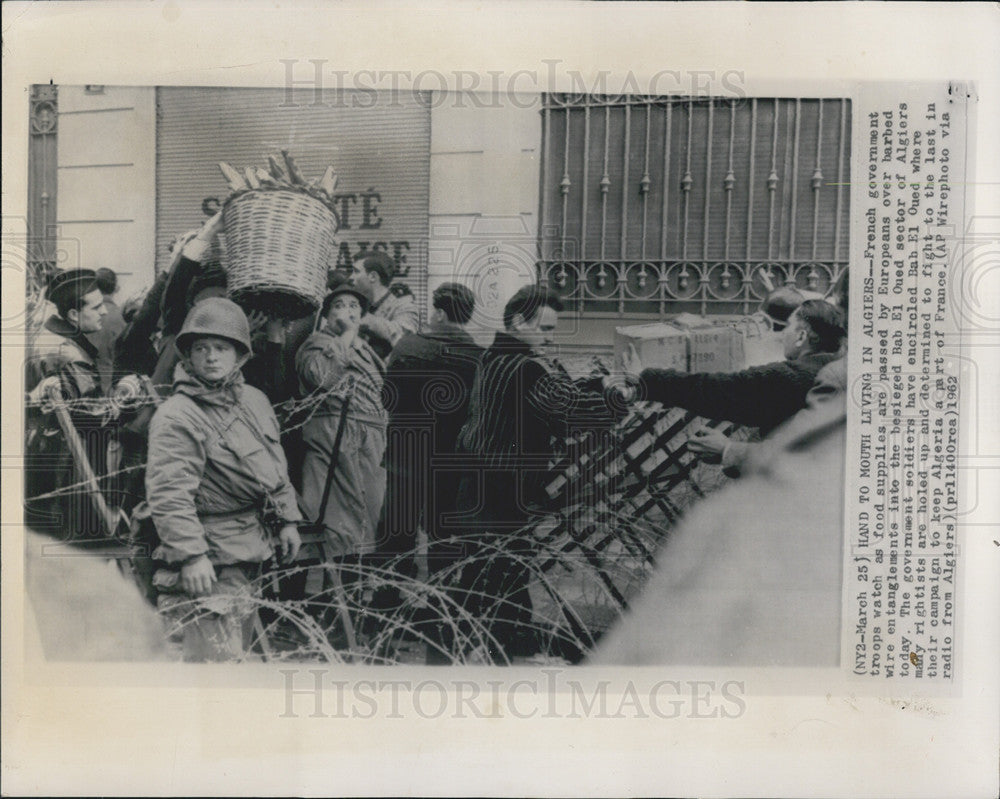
[(379, 145)]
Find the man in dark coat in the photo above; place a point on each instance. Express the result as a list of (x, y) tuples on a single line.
[(112, 327), (831, 383), (63, 362), (427, 386), (762, 396), (519, 415)]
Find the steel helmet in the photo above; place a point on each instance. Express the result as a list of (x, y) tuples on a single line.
[(215, 316)]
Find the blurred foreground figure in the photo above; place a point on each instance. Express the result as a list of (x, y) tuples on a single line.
[(752, 575), (81, 608)]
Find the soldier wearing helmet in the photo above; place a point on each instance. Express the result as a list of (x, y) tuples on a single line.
[(217, 485)]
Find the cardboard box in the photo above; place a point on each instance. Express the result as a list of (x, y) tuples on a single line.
[(659, 345), (689, 321), (716, 349), (712, 346)]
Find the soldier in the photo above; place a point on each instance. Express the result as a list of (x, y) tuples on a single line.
[(392, 311), (217, 484), (63, 364), (343, 479)]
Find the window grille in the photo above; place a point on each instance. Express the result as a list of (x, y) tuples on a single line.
[(657, 205)]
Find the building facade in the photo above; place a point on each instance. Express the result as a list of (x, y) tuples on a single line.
[(631, 207)]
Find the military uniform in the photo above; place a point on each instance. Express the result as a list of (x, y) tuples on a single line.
[(216, 480), (215, 468)]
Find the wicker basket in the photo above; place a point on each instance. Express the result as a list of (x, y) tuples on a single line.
[(279, 247)]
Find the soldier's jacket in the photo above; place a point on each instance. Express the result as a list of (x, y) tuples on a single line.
[(215, 465), (389, 319)]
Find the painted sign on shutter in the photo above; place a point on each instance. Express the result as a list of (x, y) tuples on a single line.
[(380, 152)]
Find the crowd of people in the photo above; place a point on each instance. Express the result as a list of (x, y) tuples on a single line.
[(263, 444)]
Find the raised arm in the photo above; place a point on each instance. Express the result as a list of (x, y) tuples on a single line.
[(322, 360), (757, 397)]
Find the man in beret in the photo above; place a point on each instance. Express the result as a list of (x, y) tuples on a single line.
[(63, 364), (393, 311)]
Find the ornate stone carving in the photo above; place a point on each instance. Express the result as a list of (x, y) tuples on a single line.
[(44, 109)]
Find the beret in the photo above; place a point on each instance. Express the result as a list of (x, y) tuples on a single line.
[(70, 281)]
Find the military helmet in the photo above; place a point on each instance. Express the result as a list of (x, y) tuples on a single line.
[(215, 316)]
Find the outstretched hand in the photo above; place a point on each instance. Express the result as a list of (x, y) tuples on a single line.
[(256, 320), (211, 227), (708, 444), (47, 394)]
